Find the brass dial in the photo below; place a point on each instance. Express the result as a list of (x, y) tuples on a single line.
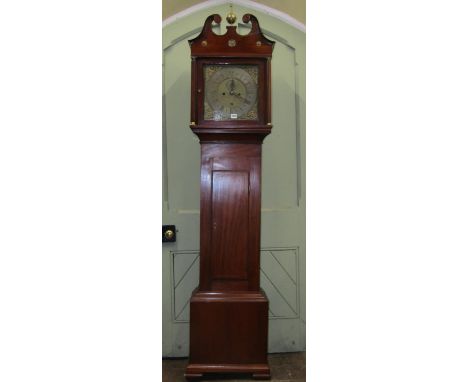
[(231, 92)]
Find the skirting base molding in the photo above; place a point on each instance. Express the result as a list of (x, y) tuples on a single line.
[(259, 371)]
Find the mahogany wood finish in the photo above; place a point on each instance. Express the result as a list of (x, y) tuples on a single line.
[(217, 45), (253, 48), (228, 310), (230, 219)]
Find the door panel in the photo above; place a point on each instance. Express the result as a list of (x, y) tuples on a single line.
[(282, 255), (283, 194), (182, 147), (230, 211)]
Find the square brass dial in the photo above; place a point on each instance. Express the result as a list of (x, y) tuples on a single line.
[(231, 92)]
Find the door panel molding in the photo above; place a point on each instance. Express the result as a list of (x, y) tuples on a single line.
[(279, 279)]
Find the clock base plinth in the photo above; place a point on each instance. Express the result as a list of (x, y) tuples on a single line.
[(190, 376), (261, 376), (258, 371), (228, 333)]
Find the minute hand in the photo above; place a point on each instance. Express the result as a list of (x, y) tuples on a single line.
[(239, 96)]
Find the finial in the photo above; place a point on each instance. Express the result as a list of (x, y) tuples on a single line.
[(231, 16)]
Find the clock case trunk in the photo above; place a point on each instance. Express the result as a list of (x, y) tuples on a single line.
[(228, 310)]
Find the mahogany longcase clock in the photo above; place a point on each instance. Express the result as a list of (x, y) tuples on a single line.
[(231, 115)]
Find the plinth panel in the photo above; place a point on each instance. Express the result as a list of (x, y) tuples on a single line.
[(228, 329)]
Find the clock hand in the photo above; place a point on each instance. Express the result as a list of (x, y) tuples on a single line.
[(232, 87), (238, 95)]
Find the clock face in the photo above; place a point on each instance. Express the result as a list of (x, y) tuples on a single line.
[(231, 92)]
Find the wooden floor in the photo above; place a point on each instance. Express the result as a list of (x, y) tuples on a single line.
[(285, 367)]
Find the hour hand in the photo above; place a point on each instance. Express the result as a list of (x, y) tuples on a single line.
[(232, 86), (238, 95)]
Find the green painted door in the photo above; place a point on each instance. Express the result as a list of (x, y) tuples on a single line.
[(283, 185)]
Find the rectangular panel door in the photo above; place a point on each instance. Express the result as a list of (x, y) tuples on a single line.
[(230, 225)]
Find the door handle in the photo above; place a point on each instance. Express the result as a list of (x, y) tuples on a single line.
[(168, 233)]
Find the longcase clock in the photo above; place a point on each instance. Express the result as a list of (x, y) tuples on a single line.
[(231, 115)]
